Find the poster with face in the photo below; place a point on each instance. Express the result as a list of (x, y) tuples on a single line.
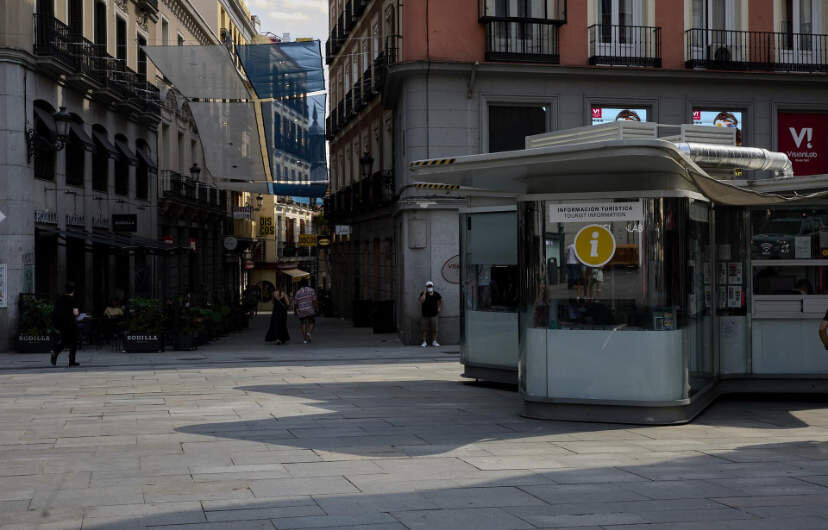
[(720, 118), (608, 114)]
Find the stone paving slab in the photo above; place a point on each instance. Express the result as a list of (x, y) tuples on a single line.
[(358, 431)]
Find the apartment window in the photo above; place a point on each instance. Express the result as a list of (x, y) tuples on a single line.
[(45, 131), (100, 159), (75, 155), (712, 14), (121, 40), (375, 31), (180, 40), (142, 171), (142, 58), (539, 9), (100, 25), (509, 125), (76, 17), (355, 68), (122, 163), (800, 20), (165, 32)]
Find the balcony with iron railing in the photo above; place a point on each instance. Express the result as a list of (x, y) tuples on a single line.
[(368, 92), (519, 40), (173, 186), (359, 98), (624, 45), (756, 50)]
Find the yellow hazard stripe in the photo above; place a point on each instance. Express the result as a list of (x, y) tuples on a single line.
[(435, 162), (445, 187)]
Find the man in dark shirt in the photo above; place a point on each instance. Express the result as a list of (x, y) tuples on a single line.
[(65, 322), (431, 303)]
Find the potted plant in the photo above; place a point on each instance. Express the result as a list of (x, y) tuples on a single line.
[(144, 326), (35, 328)]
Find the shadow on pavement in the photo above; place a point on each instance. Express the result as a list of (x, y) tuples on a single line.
[(765, 486)]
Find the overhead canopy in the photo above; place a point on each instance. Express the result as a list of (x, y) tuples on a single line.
[(46, 121), (295, 274), (596, 167), (123, 150), (261, 118), (76, 130), (104, 143)]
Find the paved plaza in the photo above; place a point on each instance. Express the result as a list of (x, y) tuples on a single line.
[(357, 431)]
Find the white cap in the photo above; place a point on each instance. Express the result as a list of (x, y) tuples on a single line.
[(429, 284)]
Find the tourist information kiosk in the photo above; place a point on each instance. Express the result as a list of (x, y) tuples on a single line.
[(643, 286)]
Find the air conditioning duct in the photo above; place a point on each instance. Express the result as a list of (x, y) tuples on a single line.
[(733, 157)]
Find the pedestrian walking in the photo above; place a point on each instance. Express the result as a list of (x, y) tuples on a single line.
[(278, 319), (431, 303), (65, 322), (306, 306)]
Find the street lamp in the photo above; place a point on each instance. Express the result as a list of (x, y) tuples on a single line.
[(62, 120), (366, 163), (195, 171)]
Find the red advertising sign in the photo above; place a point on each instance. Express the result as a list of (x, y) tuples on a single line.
[(804, 138), (597, 113)]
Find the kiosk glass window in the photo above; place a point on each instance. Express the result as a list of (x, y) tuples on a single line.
[(490, 289), (651, 290)]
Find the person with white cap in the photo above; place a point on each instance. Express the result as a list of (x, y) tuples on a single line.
[(431, 303)]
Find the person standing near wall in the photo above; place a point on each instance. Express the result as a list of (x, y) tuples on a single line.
[(431, 303), (65, 322)]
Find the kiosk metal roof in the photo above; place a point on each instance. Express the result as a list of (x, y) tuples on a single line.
[(632, 167)]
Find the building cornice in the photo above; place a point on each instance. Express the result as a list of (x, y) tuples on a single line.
[(399, 72), (184, 11)]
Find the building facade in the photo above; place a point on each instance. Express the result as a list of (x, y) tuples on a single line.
[(474, 76), (80, 200)]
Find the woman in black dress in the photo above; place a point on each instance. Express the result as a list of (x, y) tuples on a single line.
[(278, 319)]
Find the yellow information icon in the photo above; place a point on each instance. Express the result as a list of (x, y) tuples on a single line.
[(594, 245)]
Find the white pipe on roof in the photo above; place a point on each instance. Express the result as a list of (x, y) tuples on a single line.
[(735, 157)]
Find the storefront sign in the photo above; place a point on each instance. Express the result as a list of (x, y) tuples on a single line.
[(230, 243), (720, 118), (608, 115), (4, 296), (595, 212), (451, 270), (192, 244), (594, 245), (124, 222), (75, 220), (242, 212), (45, 217), (100, 222), (307, 240), (324, 241), (804, 138), (343, 230), (266, 227)]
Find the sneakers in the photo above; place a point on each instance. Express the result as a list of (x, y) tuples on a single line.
[(424, 344), (435, 344), (306, 341)]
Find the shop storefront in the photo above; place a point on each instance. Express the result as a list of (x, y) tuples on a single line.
[(630, 286)]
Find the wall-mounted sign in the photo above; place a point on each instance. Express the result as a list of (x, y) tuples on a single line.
[(595, 212), (609, 114), (249, 264), (804, 138), (594, 245), (124, 222), (192, 244), (451, 270), (307, 240), (230, 243), (45, 217), (168, 239), (266, 227), (343, 230), (100, 222), (242, 212), (720, 118), (324, 241)]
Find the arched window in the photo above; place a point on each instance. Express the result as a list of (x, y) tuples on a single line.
[(77, 144), (104, 150), (45, 136), (145, 165), (125, 159)]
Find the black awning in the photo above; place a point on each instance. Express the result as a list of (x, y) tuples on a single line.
[(125, 151), (78, 134), (146, 158), (105, 239), (104, 143), (45, 119)]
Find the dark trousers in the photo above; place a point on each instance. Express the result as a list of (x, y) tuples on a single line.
[(66, 341)]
